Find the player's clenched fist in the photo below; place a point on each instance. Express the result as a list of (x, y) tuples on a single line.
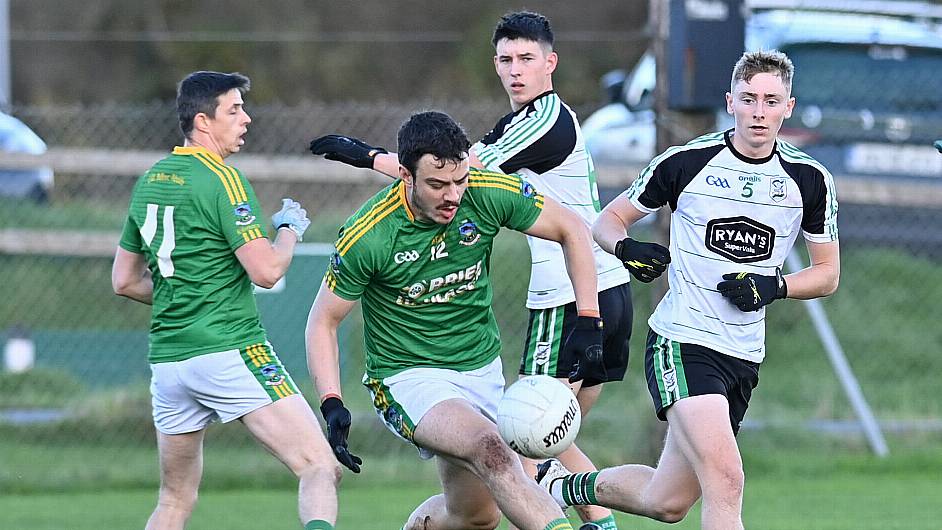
[(291, 216), (338, 427), (750, 292), (645, 261), (585, 345)]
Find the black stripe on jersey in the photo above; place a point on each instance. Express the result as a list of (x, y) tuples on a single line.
[(545, 152), (813, 189), (674, 173)]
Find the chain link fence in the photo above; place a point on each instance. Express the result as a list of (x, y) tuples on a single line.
[(276, 128), (75, 355)]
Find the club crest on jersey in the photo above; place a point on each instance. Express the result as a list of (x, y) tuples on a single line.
[(740, 239), (527, 189), (468, 232), (273, 375), (778, 189), (243, 213), (335, 261)]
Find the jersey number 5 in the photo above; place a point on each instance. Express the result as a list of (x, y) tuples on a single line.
[(167, 243)]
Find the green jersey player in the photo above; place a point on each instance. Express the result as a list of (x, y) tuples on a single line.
[(541, 141), (193, 245), (417, 255)]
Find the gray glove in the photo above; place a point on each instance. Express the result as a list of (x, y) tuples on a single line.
[(291, 216)]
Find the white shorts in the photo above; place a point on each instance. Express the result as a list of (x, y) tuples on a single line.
[(189, 395), (403, 399)]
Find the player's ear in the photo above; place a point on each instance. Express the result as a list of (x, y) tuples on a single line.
[(551, 60), (405, 176), (789, 107), (729, 103), (201, 122)]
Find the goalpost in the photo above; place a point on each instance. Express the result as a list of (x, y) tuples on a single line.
[(842, 369)]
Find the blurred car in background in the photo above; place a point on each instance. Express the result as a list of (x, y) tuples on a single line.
[(31, 183), (867, 86)]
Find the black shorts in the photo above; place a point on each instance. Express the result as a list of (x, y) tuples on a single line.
[(548, 328), (677, 370)]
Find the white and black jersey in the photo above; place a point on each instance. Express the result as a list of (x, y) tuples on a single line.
[(542, 142), (730, 213)]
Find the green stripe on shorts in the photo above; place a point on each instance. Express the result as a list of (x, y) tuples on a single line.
[(542, 354), (268, 370), (669, 371), (391, 411)]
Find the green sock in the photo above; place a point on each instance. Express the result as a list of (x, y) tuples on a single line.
[(318, 524), (558, 524), (607, 523), (579, 489)]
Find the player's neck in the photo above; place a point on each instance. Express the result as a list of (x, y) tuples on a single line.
[(206, 143), (548, 87)]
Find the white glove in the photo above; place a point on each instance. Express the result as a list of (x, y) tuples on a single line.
[(291, 216)]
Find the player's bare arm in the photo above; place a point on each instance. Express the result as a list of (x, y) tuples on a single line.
[(819, 279), (644, 260), (614, 223), (130, 276), (323, 350), (266, 261), (323, 360), (564, 226)]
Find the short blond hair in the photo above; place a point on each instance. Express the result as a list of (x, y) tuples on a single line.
[(763, 62)]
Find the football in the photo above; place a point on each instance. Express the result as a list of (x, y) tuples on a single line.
[(538, 416)]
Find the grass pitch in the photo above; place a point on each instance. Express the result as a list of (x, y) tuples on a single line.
[(785, 490)]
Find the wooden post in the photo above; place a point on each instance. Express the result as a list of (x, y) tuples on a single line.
[(673, 128)]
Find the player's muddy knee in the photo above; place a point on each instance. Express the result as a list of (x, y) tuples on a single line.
[(492, 455)]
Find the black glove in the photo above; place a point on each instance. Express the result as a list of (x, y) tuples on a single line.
[(584, 343), (346, 149), (338, 427), (645, 261), (749, 291)]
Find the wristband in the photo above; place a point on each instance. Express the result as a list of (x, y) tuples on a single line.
[(329, 395)]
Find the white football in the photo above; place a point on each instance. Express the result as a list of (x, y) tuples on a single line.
[(538, 416)]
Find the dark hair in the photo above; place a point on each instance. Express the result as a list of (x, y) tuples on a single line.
[(524, 25), (431, 133), (198, 92)]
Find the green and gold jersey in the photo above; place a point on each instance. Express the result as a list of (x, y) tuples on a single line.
[(188, 215), (424, 287)]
